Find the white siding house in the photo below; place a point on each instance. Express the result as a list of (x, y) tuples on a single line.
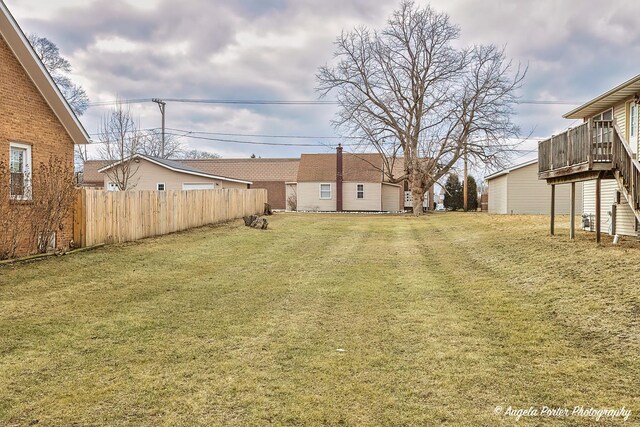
[(602, 150), (518, 190), (364, 188)]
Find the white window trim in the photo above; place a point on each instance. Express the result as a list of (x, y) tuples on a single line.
[(28, 170), (359, 198), (602, 114), (330, 191), (164, 186), (112, 186)]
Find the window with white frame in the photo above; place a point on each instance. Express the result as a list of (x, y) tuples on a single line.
[(325, 191), (160, 186), (20, 170), (359, 191), (605, 115)]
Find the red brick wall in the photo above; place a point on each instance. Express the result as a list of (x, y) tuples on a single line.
[(276, 192), (25, 117)]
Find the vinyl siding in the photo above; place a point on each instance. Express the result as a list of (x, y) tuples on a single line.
[(608, 193), (620, 117), (498, 195), (625, 219), (391, 195), (309, 197), (308, 194), (148, 175), (372, 197), (526, 194)]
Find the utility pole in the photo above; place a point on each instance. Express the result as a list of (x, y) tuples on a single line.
[(465, 190), (162, 105)]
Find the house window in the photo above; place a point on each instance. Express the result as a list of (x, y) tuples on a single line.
[(325, 191), (160, 186), (605, 115), (112, 186), (20, 170), (359, 191)]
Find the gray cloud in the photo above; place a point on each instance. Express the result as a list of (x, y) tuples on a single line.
[(255, 49)]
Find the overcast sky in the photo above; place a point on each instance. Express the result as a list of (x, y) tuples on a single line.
[(271, 49)]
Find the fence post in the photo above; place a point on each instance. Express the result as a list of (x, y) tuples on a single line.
[(79, 219)]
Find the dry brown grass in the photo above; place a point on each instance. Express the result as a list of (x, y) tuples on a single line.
[(442, 318)]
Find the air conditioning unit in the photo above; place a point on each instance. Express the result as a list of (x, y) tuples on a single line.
[(588, 222)]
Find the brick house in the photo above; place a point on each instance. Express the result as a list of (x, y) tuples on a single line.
[(37, 125)]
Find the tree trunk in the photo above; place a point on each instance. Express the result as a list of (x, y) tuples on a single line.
[(417, 193)]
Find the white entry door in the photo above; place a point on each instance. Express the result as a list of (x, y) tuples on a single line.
[(199, 186), (632, 121)]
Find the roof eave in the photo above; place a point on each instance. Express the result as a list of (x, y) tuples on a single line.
[(31, 63), (511, 169), (202, 174), (606, 100)]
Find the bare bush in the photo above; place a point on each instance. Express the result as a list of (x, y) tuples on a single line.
[(53, 196), (292, 201), (12, 223)]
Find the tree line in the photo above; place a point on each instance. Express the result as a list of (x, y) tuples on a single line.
[(454, 193)]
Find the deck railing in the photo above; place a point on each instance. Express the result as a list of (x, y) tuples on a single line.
[(591, 142), (627, 167)]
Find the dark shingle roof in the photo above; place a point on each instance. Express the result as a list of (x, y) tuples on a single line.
[(356, 167)]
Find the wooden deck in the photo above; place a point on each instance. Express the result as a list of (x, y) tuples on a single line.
[(579, 154), (595, 150)]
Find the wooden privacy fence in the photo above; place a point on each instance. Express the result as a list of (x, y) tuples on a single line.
[(114, 217)]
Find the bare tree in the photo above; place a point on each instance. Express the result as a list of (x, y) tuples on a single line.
[(60, 68), (199, 154), (120, 140), (408, 92), (151, 145)]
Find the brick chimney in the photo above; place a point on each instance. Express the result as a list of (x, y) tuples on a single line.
[(339, 178)]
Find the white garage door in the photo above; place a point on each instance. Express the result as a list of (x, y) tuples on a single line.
[(199, 186)]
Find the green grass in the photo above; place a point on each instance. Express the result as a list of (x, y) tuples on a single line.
[(442, 319)]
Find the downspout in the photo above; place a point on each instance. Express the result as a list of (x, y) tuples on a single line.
[(339, 178)]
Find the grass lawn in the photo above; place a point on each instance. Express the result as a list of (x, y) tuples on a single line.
[(441, 319)]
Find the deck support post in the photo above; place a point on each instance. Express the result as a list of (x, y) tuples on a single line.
[(572, 221), (598, 212), (552, 229)]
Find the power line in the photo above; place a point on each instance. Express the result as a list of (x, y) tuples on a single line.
[(236, 141), (282, 102), (255, 135)]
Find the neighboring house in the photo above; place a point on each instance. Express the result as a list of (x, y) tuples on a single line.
[(517, 190), (37, 124), (602, 153), (152, 173), (270, 174), (90, 177), (347, 182)]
